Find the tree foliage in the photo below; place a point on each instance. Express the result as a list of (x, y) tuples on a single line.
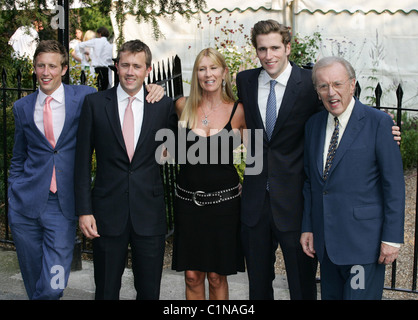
[(14, 14)]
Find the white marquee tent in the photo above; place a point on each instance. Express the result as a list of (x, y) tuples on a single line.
[(378, 37)]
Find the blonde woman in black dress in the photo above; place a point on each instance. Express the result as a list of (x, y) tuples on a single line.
[(207, 235)]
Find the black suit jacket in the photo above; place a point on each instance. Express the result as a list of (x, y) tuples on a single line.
[(121, 189), (282, 156)]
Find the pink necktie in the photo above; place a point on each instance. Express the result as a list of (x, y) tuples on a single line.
[(49, 134), (128, 129)]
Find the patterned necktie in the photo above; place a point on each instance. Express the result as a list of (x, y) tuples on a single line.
[(332, 148), (271, 109), (128, 129), (49, 134)]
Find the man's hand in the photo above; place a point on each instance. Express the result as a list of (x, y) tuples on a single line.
[(155, 92), (306, 240), (88, 226), (388, 253), (396, 134)]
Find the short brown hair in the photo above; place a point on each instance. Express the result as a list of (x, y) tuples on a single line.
[(52, 46), (269, 26), (135, 46)]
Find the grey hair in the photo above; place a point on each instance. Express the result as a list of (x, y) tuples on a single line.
[(328, 61)]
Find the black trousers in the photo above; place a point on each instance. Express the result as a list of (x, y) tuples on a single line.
[(109, 258), (103, 74), (260, 244)]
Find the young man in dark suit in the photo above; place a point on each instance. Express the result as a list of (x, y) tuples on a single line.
[(41, 177), (355, 189), (126, 205), (272, 201)]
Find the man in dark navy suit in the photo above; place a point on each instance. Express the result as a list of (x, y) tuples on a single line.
[(272, 201), (354, 192), (126, 205)]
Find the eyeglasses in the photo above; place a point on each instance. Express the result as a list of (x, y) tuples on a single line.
[(337, 85)]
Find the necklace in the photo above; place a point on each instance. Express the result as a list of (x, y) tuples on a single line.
[(205, 121)]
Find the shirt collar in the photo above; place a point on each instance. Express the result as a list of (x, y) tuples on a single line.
[(57, 95), (283, 78), (122, 95)]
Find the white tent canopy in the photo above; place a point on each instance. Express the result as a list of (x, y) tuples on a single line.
[(354, 6), (230, 5), (378, 37)]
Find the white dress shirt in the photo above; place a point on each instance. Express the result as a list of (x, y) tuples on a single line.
[(137, 109), (264, 90), (58, 111), (343, 119)]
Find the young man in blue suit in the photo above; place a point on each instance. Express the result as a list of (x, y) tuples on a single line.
[(41, 184), (354, 192)]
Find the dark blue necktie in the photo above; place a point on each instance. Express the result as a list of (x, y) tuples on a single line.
[(271, 109), (332, 148)]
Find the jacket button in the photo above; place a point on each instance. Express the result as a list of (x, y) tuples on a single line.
[(325, 193)]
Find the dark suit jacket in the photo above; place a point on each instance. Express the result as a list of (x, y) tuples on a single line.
[(121, 189), (282, 156), (362, 201), (34, 157)]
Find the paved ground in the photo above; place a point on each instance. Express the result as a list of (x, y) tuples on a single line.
[(81, 283)]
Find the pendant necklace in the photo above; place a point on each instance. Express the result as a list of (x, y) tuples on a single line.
[(205, 121)]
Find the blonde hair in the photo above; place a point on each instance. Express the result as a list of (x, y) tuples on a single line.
[(189, 114), (90, 34)]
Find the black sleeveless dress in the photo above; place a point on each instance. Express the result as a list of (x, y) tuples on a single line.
[(207, 238)]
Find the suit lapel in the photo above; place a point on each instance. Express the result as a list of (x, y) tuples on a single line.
[(111, 107), (290, 95), (29, 110), (354, 126), (148, 119), (71, 102), (320, 142), (253, 100)]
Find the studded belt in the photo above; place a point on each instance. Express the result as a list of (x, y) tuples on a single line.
[(201, 198)]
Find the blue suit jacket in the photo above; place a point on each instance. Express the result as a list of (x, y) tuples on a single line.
[(33, 156), (362, 201)]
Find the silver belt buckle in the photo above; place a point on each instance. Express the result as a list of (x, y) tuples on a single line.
[(194, 198)]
